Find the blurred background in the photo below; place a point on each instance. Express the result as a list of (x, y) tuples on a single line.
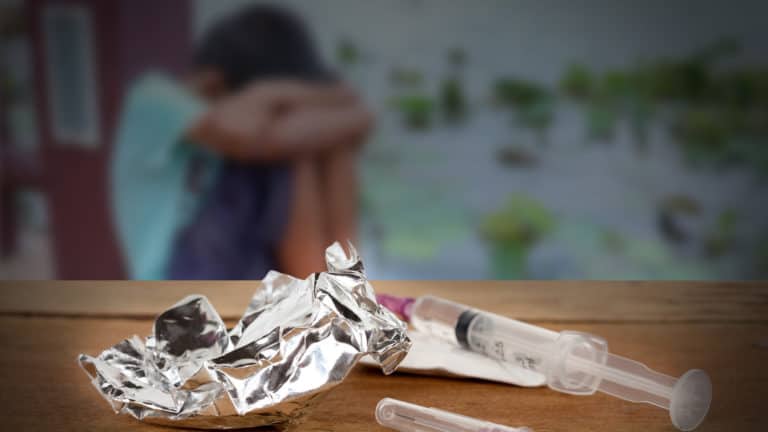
[(513, 140)]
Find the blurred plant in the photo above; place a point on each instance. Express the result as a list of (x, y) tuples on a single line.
[(717, 116), (721, 237), (522, 220), (616, 85), (417, 110), (517, 93), (703, 134), (669, 213), (453, 102), (347, 52), (634, 93), (619, 93), (723, 116), (512, 231), (690, 79), (743, 88), (736, 88), (680, 81), (533, 104), (616, 93), (406, 77), (577, 82), (538, 116)]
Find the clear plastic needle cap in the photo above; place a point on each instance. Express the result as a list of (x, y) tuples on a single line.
[(408, 417)]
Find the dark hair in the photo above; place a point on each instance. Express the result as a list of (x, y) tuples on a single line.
[(260, 42)]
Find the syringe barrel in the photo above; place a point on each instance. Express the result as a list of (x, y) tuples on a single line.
[(484, 332), (569, 360)]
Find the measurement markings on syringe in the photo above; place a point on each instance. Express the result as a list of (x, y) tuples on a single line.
[(480, 338)]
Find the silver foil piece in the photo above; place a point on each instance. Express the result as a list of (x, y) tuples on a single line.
[(296, 340)]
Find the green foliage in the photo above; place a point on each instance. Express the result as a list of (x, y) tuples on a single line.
[(679, 81), (717, 116), (537, 115), (453, 102), (724, 135), (511, 231), (577, 82), (704, 134), (517, 93), (417, 110), (616, 93), (508, 261), (521, 221), (690, 79), (616, 84), (533, 104), (742, 88)]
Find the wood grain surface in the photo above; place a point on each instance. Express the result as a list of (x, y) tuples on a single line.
[(531, 300), (672, 327)]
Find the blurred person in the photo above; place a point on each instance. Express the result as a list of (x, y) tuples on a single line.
[(244, 165)]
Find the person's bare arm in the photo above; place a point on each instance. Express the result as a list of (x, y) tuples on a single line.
[(341, 191), (280, 120), (301, 250)]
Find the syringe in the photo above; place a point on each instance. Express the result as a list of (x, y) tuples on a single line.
[(573, 362)]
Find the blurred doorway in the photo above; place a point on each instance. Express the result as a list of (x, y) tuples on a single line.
[(83, 55)]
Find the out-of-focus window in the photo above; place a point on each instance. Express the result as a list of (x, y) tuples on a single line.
[(70, 60)]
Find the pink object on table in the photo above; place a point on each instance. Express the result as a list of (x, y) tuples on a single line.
[(398, 305)]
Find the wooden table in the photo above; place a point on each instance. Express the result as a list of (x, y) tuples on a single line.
[(722, 328)]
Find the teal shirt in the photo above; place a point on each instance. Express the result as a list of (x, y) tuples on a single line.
[(151, 197)]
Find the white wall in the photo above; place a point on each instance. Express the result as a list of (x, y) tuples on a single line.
[(606, 186), (530, 38)]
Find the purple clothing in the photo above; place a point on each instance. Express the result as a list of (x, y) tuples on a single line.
[(237, 229)]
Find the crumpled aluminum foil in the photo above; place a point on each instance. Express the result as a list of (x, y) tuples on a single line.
[(296, 340)]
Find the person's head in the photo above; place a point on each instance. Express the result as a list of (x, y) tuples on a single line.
[(256, 43)]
